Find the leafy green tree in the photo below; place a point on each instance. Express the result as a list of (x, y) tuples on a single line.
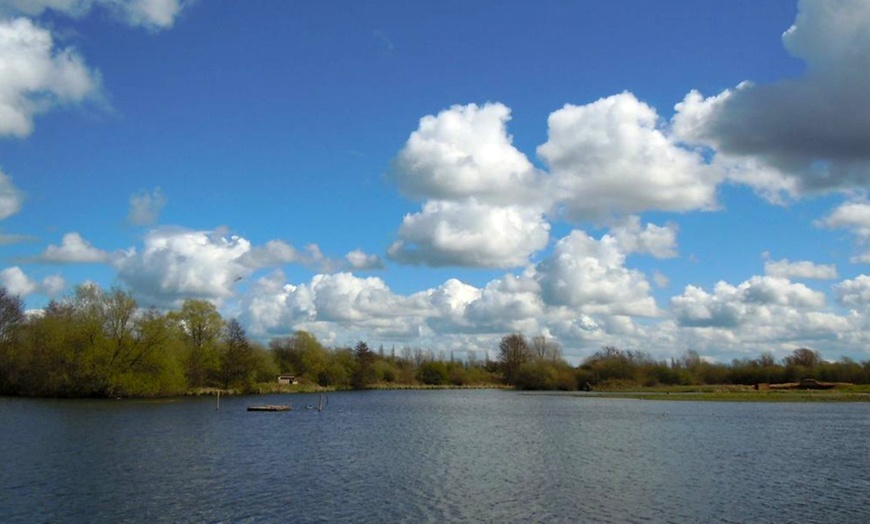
[(115, 312), (301, 354), (265, 368), (151, 365), (546, 375), (364, 372), (433, 373), (612, 364), (386, 370), (199, 325), (339, 369), (11, 320), (237, 360), (97, 343), (48, 363)]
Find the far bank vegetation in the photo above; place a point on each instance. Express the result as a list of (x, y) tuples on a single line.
[(99, 343)]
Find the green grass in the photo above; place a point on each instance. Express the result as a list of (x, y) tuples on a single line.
[(742, 394)]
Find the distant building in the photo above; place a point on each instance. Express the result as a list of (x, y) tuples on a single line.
[(287, 379)]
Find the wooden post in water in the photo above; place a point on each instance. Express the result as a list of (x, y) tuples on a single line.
[(320, 403), (218, 404)]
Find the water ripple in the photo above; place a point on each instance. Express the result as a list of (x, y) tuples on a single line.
[(434, 456)]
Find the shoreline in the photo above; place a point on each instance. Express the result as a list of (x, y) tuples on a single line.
[(718, 393)]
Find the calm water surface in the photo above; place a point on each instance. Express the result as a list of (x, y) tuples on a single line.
[(433, 456)]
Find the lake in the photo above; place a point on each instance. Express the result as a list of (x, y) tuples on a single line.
[(433, 456)]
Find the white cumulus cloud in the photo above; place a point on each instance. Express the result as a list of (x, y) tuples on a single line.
[(470, 233), (854, 292), (16, 282), (658, 241), (759, 299), (853, 216), (465, 152), (589, 275), (508, 305), (611, 157), (74, 250), (272, 253), (34, 76), (359, 260), (331, 304), (177, 263)]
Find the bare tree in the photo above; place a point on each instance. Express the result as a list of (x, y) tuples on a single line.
[(546, 349), (514, 351), (11, 314), (803, 357)]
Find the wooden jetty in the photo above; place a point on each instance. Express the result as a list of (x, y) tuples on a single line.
[(270, 407)]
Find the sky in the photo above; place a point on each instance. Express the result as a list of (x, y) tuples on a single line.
[(662, 177)]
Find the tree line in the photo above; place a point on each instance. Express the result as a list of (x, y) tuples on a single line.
[(525, 367), (98, 343)]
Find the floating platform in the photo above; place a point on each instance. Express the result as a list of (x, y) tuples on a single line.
[(270, 407)]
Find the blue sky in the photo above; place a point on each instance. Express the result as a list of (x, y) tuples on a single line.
[(656, 176)]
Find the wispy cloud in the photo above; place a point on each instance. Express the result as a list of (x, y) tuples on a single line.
[(11, 198), (145, 207)]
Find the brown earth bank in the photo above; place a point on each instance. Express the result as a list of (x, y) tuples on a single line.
[(807, 383)]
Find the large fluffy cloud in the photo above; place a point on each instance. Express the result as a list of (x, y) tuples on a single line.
[(470, 233), (35, 76), (464, 152), (579, 293), (176, 264), (611, 157), (755, 300), (332, 304), (485, 202), (582, 294), (804, 134), (854, 293), (589, 275), (760, 314)]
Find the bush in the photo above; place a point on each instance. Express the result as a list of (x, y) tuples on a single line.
[(433, 373)]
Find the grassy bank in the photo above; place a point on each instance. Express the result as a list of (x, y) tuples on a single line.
[(727, 393)]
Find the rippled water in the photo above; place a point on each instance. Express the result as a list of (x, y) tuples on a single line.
[(433, 456)]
